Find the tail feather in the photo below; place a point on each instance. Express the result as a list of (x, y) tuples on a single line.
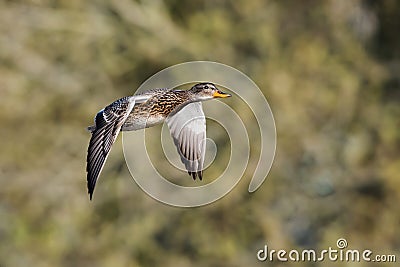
[(91, 128)]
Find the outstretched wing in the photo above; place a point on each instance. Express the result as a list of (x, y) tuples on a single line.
[(188, 129), (108, 122)]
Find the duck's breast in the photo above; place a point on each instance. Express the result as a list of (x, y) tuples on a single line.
[(140, 121)]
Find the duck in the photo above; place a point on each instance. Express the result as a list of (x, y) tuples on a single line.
[(180, 109)]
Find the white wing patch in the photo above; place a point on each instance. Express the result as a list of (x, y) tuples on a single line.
[(188, 129)]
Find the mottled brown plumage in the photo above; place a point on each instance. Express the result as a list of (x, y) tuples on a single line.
[(161, 104)]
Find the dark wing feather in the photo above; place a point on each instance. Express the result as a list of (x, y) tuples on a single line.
[(107, 126), (188, 129)]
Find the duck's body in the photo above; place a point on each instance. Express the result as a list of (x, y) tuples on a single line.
[(161, 103), (182, 110)]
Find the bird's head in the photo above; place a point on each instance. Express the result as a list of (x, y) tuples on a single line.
[(206, 91)]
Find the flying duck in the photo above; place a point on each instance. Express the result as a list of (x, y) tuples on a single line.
[(181, 109)]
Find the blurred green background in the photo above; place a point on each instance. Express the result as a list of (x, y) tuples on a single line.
[(329, 69)]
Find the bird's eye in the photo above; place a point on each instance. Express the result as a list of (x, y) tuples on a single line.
[(206, 87)]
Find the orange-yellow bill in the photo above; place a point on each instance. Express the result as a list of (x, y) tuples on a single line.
[(221, 94)]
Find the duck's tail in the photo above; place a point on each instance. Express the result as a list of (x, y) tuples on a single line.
[(91, 128)]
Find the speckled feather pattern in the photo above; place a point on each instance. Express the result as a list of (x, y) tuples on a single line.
[(155, 110)]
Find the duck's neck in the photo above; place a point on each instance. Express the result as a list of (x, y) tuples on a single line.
[(181, 99)]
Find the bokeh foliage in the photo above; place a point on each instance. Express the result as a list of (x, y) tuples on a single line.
[(329, 69)]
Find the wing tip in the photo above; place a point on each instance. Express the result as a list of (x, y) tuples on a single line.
[(198, 174), (90, 191)]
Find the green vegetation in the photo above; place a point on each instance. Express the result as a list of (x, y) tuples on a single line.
[(329, 69)]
